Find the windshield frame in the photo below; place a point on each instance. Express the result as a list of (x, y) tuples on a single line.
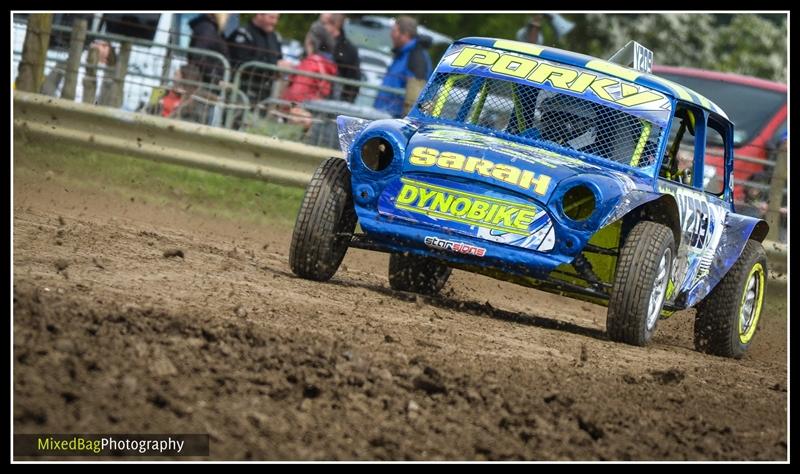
[(666, 104)]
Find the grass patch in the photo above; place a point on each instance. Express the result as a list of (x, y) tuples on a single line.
[(206, 192), (271, 128)]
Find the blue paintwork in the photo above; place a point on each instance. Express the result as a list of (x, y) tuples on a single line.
[(712, 236)]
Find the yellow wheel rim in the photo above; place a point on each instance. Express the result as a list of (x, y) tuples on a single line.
[(752, 300)]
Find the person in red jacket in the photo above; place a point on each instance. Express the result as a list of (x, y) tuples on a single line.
[(318, 59)]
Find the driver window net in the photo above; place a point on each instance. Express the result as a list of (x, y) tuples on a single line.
[(542, 116)]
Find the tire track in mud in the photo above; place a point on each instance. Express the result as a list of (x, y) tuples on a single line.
[(111, 336)]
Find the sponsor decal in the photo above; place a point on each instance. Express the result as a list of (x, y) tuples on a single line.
[(559, 77), (525, 179), (456, 247), (466, 208), (528, 153), (701, 225), (696, 217)]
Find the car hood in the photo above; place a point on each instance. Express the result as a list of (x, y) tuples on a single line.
[(522, 168)]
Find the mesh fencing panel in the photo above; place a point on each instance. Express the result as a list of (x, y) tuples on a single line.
[(542, 116)]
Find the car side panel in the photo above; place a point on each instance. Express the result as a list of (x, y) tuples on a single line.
[(737, 229), (712, 239)]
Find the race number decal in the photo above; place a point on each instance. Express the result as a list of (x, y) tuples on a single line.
[(701, 231), (695, 220), (642, 58)]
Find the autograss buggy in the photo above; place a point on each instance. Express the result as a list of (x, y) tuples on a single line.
[(553, 170)]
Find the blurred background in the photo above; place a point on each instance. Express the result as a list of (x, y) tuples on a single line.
[(289, 75), (750, 44)]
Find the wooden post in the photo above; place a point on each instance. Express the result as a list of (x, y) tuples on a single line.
[(776, 187), (90, 79), (34, 52), (76, 41), (118, 88)]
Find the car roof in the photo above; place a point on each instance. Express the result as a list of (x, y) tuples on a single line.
[(654, 82), (722, 76)]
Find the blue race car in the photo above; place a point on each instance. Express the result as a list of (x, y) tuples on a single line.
[(554, 170)]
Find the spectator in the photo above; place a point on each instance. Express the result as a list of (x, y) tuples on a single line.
[(185, 99), (105, 52), (411, 61), (257, 41), (106, 57), (207, 34), (532, 32), (345, 55), (318, 59)]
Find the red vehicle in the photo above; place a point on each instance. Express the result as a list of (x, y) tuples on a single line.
[(756, 106)]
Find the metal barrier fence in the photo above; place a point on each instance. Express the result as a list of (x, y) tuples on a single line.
[(143, 78), (313, 121), (145, 73), (141, 72)]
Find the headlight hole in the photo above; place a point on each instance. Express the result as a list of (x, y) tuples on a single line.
[(578, 203), (377, 153)]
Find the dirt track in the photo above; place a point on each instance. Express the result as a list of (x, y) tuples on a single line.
[(110, 336)]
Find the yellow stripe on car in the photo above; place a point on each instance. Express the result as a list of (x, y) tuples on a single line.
[(637, 153), (479, 105), (444, 93), (681, 91), (519, 47), (613, 69), (705, 102)]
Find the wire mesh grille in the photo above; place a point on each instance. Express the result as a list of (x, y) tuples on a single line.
[(542, 116)]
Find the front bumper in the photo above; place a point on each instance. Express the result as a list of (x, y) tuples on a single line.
[(382, 234)]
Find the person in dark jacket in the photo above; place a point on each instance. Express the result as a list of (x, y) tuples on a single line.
[(256, 41), (207, 34), (411, 61), (344, 54)]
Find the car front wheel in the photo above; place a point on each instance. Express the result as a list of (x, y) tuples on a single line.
[(325, 223), (640, 284)]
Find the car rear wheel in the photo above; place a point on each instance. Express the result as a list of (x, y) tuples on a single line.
[(417, 274), (640, 285), (325, 223), (727, 318)]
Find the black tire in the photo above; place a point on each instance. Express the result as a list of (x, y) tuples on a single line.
[(630, 317), (325, 223), (416, 274), (717, 328)]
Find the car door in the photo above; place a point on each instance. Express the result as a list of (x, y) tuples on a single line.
[(702, 203)]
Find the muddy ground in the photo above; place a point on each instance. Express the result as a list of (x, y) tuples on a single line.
[(111, 336)]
